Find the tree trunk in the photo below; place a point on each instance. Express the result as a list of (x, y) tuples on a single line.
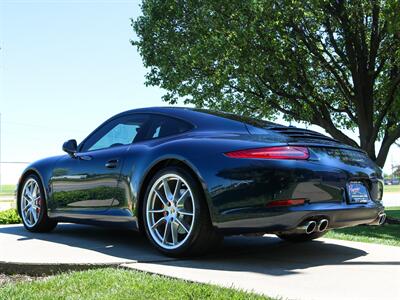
[(383, 153), (388, 140)]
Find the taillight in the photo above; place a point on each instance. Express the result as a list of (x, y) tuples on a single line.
[(290, 202), (284, 152)]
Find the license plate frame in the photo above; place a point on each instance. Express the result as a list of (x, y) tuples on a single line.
[(357, 193)]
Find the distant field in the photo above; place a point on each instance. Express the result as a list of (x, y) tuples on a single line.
[(392, 188), (7, 189)]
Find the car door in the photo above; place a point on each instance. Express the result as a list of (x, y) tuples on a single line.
[(157, 127), (86, 185)]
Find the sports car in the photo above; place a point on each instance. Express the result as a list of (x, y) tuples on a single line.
[(187, 177)]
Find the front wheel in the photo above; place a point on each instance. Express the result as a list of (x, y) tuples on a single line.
[(32, 206), (176, 217)]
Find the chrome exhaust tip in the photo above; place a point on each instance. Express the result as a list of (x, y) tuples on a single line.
[(307, 227), (323, 225), (382, 219), (310, 227)]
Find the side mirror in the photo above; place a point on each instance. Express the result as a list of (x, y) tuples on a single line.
[(71, 147)]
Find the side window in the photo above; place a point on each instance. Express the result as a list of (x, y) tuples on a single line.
[(162, 126), (118, 132), (122, 134)]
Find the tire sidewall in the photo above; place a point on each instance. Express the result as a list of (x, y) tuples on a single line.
[(198, 211)]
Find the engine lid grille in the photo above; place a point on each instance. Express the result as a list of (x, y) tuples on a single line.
[(295, 133)]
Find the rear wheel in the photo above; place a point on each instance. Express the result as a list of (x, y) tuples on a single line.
[(301, 237), (176, 217), (32, 206)]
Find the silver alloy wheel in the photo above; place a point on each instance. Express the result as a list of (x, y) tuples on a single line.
[(170, 211), (31, 202)]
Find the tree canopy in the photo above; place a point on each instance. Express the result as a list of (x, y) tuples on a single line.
[(333, 63)]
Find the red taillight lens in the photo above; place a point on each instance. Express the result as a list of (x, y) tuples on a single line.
[(285, 152), (290, 202)]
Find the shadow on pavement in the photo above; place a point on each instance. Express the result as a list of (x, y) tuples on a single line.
[(265, 255), (127, 245)]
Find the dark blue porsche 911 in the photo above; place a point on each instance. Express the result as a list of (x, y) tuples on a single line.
[(187, 177)]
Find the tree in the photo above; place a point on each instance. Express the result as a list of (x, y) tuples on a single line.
[(396, 172), (333, 63)]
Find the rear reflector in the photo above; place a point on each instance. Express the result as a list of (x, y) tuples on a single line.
[(285, 152), (290, 202)]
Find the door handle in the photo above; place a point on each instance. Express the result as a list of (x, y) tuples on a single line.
[(112, 164), (85, 157)]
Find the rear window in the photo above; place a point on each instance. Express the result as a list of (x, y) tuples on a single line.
[(243, 119)]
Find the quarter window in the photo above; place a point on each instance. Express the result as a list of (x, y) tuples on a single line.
[(162, 126)]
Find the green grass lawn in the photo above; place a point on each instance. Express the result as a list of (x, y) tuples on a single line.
[(385, 234), (7, 189), (393, 212), (391, 188), (117, 284)]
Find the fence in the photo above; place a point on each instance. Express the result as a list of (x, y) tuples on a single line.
[(10, 172)]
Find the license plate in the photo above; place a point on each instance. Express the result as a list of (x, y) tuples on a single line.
[(358, 193)]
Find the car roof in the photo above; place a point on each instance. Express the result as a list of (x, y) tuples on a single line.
[(201, 118), (211, 120)]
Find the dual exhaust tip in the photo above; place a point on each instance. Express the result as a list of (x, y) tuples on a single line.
[(313, 226)]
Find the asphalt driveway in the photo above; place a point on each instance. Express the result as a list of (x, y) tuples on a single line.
[(324, 269)]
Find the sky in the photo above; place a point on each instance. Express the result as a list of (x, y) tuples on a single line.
[(65, 67)]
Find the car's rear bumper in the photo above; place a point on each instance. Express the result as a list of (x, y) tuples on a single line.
[(279, 219)]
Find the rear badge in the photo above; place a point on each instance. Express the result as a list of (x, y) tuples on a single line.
[(358, 193)]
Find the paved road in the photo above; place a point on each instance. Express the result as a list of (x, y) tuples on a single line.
[(326, 269), (71, 243)]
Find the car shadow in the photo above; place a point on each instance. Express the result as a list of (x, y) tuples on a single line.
[(265, 255), (271, 256), (127, 245)]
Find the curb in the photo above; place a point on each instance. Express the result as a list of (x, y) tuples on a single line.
[(42, 269), (39, 269)]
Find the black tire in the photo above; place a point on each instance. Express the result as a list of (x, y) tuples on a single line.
[(301, 237), (203, 236), (43, 223)]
